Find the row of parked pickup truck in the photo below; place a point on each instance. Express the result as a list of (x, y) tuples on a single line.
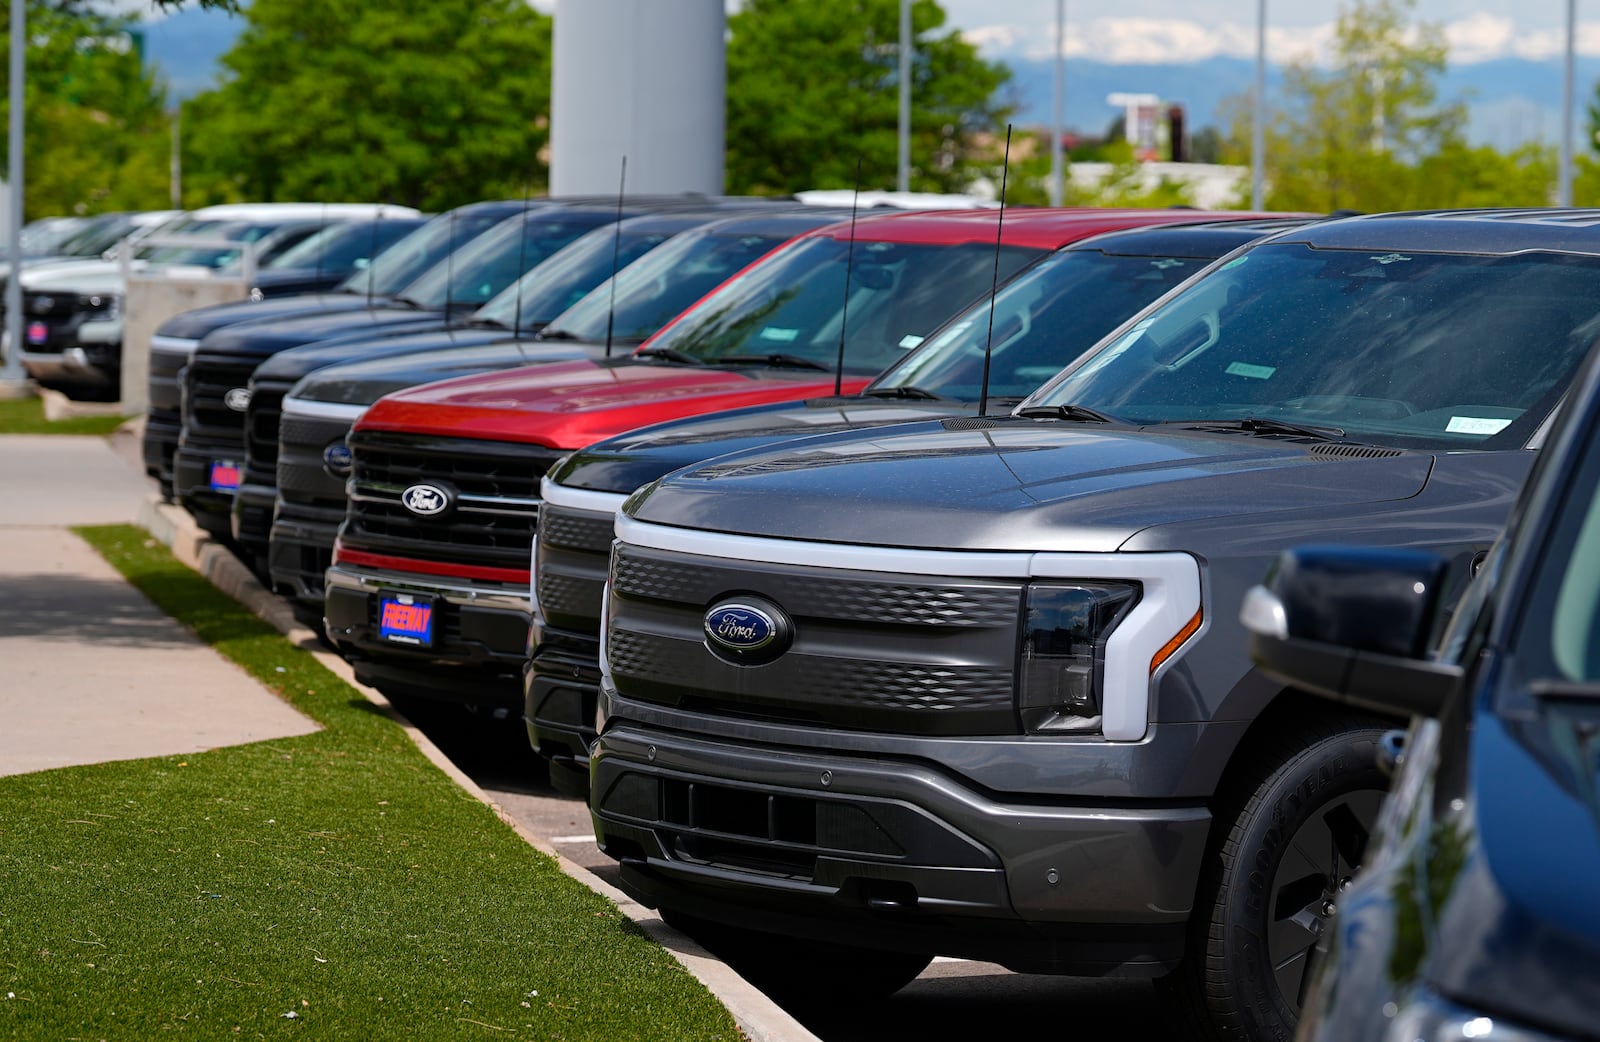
[(878, 574)]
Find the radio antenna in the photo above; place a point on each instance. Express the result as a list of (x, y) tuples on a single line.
[(372, 252), (322, 227), (522, 255), (849, 261), (450, 269), (616, 252), (994, 287)]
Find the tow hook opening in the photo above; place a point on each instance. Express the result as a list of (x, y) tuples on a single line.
[(884, 895)]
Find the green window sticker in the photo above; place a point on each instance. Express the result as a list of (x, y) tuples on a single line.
[(780, 335), (1253, 372)]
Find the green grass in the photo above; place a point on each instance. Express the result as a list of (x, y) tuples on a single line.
[(336, 883), (26, 416)]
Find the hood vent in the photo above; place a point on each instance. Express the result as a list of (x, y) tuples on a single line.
[(973, 423), (1354, 452)]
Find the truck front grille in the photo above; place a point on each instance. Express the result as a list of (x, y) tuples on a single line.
[(870, 651), (207, 418), (496, 490)]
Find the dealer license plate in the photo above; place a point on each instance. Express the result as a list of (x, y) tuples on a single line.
[(38, 333), (405, 618), (224, 476)]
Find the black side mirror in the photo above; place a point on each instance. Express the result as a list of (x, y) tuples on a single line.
[(1353, 624)]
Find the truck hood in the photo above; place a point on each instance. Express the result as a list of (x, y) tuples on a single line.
[(629, 461), (194, 325), (269, 336), (364, 382), (291, 365), (1012, 484), (90, 276), (569, 405)]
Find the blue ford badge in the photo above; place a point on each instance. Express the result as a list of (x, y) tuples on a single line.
[(337, 458), (748, 631), (427, 500)]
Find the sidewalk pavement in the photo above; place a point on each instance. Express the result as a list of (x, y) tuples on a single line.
[(91, 671), (125, 681)]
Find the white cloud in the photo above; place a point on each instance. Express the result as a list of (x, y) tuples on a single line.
[(1477, 37)]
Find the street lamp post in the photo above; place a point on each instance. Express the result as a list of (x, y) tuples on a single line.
[(12, 373), (903, 181), (1057, 189), (1564, 172), (1258, 101)]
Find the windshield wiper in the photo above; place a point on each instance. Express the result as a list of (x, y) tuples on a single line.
[(904, 391), (1261, 425), (410, 302), (668, 354), (778, 361), (557, 334), (1081, 413)]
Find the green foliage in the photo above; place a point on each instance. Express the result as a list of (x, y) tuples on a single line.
[(26, 416), (1369, 132), (95, 129), (431, 103), (813, 89), (336, 883), (1123, 184)]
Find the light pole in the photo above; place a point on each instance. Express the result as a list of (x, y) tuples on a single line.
[(12, 373), (1057, 192), (1258, 101), (903, 181), (1564, 171)]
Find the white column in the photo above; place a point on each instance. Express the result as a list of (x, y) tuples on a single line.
[(645, 79)]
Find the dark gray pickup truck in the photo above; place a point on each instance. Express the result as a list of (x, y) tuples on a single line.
[(977, 687)]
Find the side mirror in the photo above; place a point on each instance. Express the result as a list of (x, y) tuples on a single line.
[(1353, 624)]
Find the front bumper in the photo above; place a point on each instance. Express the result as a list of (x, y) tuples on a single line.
[(300, 550), (479, 645), (895, 854), (250, 517), (561, 691), (195, 471)]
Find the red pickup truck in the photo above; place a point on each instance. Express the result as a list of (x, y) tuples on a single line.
[(428, 594)]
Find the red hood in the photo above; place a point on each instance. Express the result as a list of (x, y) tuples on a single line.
[(568, 405)]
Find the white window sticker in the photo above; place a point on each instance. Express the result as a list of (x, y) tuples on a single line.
[(909, 341), (779, 334), (1476, 425), (1254, 372)]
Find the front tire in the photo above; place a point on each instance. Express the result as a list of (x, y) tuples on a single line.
[(1296, 820)]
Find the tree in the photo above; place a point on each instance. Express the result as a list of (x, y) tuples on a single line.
[(430, 103), (813, 89), (95, 129), (1361, 133)]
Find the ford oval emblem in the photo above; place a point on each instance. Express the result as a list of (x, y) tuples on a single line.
[(427, 500), (42, 305), (337, 459), (237, 399), (748, 631)]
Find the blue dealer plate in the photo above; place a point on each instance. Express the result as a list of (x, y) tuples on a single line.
[(404, 618)]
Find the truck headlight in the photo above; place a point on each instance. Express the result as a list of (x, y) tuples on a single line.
[(1061, 664), (101, 305)]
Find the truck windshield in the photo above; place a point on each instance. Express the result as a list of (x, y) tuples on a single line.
[(498, 258), (1424, 350), (794, 304), (1043, 319), (653, 291), (567, 277)]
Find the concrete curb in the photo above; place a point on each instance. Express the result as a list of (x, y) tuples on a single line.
[(759, 1018)]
